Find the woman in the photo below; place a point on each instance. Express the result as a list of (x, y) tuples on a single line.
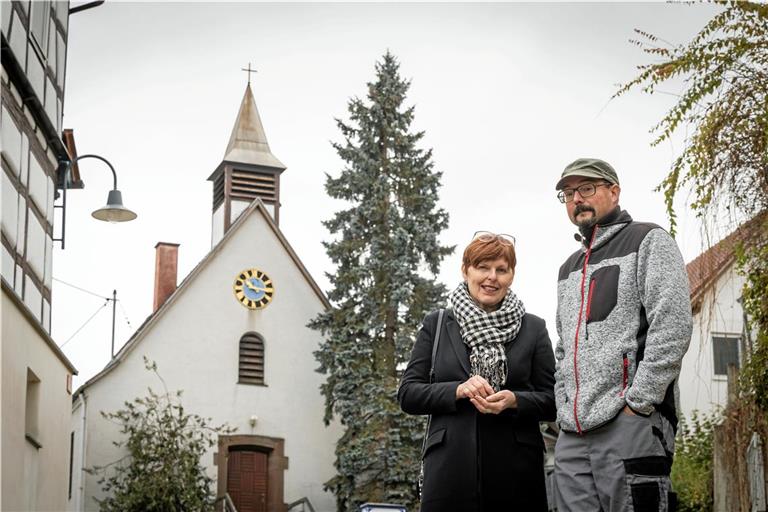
[(493, 383)]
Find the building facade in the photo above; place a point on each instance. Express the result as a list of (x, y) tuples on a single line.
[(36, 376), (234, 337), (720, 335)]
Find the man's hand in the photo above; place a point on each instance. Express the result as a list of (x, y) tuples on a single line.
[(472, 387), (628, 411)]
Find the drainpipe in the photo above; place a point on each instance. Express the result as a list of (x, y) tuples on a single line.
[(84, 446)]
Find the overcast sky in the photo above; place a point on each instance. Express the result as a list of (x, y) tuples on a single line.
[(507, 94)]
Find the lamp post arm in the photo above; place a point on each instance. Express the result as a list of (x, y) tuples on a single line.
[(114, 174), (65, 185)]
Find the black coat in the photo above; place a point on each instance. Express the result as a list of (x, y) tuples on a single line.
[(473, 461)]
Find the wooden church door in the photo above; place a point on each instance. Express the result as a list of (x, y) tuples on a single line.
[(247, 479)]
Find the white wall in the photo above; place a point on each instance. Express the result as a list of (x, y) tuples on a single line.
[(195, 343), (217, 225), (76, 427), (700, 388), (23, 464)]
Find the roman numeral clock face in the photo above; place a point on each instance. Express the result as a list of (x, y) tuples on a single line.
[(253, 289)]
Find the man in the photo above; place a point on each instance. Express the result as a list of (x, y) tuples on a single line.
[(624, 324)]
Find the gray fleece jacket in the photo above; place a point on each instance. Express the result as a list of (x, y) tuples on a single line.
[(624, 324)]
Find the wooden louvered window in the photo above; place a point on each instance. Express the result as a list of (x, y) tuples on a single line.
[(218, 191), (250, 185), (251, 368)]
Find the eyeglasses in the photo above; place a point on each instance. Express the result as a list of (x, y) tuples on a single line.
[(487, 236), (585, 190)]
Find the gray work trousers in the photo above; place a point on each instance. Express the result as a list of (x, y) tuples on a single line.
[(622, 466)]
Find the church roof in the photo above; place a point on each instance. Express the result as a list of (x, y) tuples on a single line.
[(248, 142), (255, 206), (704, 270)]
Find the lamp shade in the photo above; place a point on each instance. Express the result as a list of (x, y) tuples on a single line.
[(114, 211)]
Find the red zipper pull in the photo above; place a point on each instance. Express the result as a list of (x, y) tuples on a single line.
[(625, 376)]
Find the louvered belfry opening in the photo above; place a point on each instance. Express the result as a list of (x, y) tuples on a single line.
[(251, 367), (250, 185), (218, 189), (238, 183)]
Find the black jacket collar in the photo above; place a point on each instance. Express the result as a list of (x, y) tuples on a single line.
[(615, 216)]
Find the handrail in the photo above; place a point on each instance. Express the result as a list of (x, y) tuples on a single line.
[(302, 501), (228, 506)]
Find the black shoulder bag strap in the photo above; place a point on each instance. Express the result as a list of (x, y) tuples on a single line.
[(435, 343)]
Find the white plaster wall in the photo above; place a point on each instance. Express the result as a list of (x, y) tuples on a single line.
[(195, 343), (7, 265), (38, 184), (22, 348), (700, 388), (217, 225), (237, 208), (10, 135), (76, 427), (36, 245), (9, 221)]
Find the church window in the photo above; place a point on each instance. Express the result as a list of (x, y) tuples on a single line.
[(251, 367)]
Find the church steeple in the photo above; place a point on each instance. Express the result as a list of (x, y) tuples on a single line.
[(248, 170), (248, 142)]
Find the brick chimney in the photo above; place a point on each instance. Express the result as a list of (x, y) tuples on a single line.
[(166, 260)]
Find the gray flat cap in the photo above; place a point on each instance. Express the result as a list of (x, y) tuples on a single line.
[(589, 168)]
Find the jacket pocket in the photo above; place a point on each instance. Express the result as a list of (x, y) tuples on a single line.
[(434, 440), (603, 293)]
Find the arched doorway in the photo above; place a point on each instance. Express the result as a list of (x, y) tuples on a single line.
[(250, 470)]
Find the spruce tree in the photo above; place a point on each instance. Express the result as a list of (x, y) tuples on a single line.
[(387, 255)]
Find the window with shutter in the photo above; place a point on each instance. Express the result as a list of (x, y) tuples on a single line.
[(251, 367)]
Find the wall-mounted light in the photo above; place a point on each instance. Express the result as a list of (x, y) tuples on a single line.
[(113, 211)]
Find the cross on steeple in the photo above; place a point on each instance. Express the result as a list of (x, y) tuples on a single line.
[(249, 71)]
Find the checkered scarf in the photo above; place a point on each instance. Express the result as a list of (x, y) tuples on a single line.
[(486, 333)]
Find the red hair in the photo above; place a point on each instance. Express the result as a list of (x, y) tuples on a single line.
[(488, 248)]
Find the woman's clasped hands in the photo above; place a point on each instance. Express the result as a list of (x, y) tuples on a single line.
[(483, 397)]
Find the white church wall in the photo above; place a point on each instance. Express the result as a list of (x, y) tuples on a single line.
[(237, 207), (217, 225), (195, 343), (720, 314)]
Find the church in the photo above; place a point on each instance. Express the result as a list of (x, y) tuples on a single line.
[(233, 336)]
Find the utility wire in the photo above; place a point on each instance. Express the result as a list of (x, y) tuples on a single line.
[(107, 299), (81, 289), (125, 314), (86, 323)]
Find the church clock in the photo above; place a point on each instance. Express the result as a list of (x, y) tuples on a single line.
[(253, 288)]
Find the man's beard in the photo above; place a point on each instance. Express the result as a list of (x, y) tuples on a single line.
[(586, 222)]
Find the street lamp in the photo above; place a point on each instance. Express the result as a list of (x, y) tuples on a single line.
[(113, 211)]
